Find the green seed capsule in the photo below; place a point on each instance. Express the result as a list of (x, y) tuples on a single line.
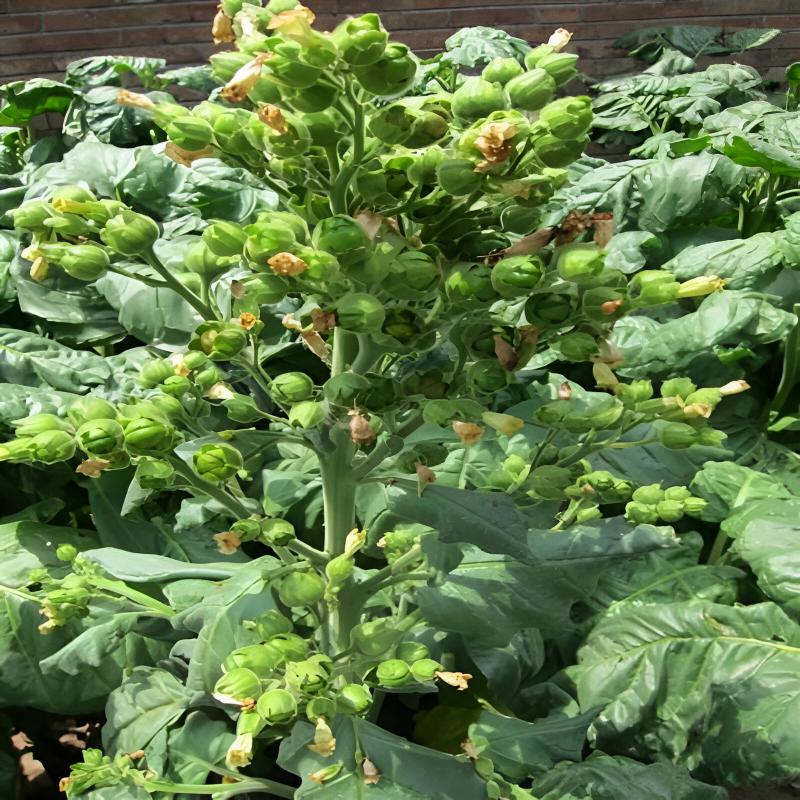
[(293, 647), (679, 493), (301, 589), (148, 437), (531, 90), (390, 74), (678, 435), (579, 262), (190, 133), (86, 408), (487, 376), (129, 233), (354, 698), (375, 637), (516, 276), (694, 506), (238, 685), (670, 510), (360, 312), (100, 438), (155, 372), (502, 70), (649, 495), (477, 98), (310, 676), (66, 552), (262, 659), (85, 262), (292, 387), (217, 462), (411, 652), (393, 673), (277, 532), (307, 414), (271, 623), (678, 387), (641, 514)]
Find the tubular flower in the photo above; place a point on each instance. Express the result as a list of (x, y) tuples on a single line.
[(134, 100), (459, 680), (241, 751), (468, 432), (494, 144), (287, 264), (559, 39), (228, 542), (222, 28), (273, 117), (243, 81), (324, 740)]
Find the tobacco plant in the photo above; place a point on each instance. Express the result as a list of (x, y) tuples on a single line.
[(299, 504)]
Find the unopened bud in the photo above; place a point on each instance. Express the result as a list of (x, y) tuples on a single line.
[(734, 387), (701, 286), (243, 81), (559, 39), (134, 100)]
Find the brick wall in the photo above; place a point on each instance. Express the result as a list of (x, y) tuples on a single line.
[(39, 37)]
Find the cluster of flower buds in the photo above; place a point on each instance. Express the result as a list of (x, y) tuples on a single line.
[(651, 504), (63, 228)]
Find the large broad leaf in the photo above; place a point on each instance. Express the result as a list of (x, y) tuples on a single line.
[(143, 568), (408, 771), (728, 318), (197, 747), (141, 708), (711, 687), (743, 263), (755, 152), (17, 402), (520, 749), (472, 47), (87, 73), (603, 777), (771, 548), (32, 360), (24, 100)]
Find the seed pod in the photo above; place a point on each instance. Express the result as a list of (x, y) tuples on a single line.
[(89, 407), (425, 669), (458, 177), (412, 651), (339, 570), (641, 513), (301, 589), (190, 133), (310, 676), (649, 495), (577, 346), (393, 673), (678, 387), (66, 552), (560, 66), (531, 90), (271, 623), (31, 216), (354, 698), (670, 510), (679, 493), (262, 659), (694, 506), (292, 387), (343, 237), (320, 707), (487, 376), (477, 98), (361, 40), (678, 435), (220, 341), (85, 262), (375, 637), (502, 70), (293, 647), (129, 233), (307, 414), (217, 462), (39, 423), (155, 372), (360, 312), (148, 437), (516, 276), (237, 686), (558, 153), (100, 438), (390, 74)]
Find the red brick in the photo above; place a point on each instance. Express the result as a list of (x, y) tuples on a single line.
[(129, 16)]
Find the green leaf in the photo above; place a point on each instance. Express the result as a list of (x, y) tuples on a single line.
[(408, 771), (728, 318), (748, 38), (24, 100), (146, 703), (17, 402), (708, 686), (630, 251), (744, 263), (603, 777), (87, 73), (471, 47), (197, 748), (520, 749), (32, 360), (755, 152), (145, 568)]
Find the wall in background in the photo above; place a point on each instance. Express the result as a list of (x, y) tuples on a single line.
[(39, 37)]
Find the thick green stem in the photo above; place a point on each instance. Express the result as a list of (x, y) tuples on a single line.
[(205, 311), (213, 491), (260, 786), (123, 590)]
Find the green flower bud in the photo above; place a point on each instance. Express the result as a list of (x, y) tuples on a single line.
[(549, 310), (694, 506), (469, 283), (678, 387), (267, 238), (487, 376), (271, 623), (277, 532), (652, 287), (649, 495), (225, 238), (164, 113), (360, 313), (307, 414), (190, 133), (560, 66), (66, 552), (31, 216), (149, 437), (320, 707), (262, 659), (89, 407), (50, 447), (670, 510), (577, 262), (155, 372), (293, 647), (679, 493), (502, 70), (361, 40), (515, 276), (411, 652), (709, 437), (343, 237), (576, 346), (226, 64), (291, 65), (425, 669), (217, 462), (706, 397), (39, 423), (176, 386), (100, 438), (587, 514), (129, 233), (457, 176), (301, 589), (310, 676), (635, 391), (477, 98), (201, 260), (393, 72), (249, 722), (641, 514), (237, 686), (220, 341), (532, 57), (339, 570), (393, 673), (85, 262), (568, 117), (375, 637), (292, 387), (603, 305), (353, 698), (556, 153), (532, 90), (678, 435)]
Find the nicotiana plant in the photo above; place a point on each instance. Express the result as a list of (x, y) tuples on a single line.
[(299, 504)]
